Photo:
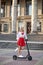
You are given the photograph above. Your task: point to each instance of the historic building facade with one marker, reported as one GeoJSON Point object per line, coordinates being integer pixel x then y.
{"type": "Point", "coordinates": [15, 14]}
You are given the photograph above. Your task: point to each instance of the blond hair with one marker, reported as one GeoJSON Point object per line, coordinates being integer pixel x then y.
{"type": "Point", "coordinates": [22, 29]}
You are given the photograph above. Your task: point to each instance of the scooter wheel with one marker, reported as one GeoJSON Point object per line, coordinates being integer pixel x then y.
{"type": "Point", "coordinates": [14, 57]}
{"type": "Point", "coordinates": [30, 58]}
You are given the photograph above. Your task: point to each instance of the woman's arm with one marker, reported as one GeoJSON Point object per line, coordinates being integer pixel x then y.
{"type": "Point", "coordinates": [25, 35]}
{"type": "Point", "coordinates": [18, 35]}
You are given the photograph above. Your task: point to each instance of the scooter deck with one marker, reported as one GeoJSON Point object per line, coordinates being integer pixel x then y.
{"type": "Point", "coordinates": [21, 57]}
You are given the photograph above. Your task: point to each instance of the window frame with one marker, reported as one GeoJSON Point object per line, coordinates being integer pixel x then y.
{"type": "Point", "coordinates": [39, 27]}
{"type": "Point", "coordinates": [7, 28]}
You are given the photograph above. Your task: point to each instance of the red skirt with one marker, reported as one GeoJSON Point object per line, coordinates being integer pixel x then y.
{"type": "Point", "coordinates": [21, 42]}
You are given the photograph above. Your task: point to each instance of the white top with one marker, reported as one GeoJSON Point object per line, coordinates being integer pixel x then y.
{"type": "Point", "coordinates": [19, 34]}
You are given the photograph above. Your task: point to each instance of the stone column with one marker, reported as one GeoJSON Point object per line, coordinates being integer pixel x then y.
{"type": "Point", "coordinates": [0, 8]}
{"type": "Point", "coordinates": [14, 15]}
{"type": "Point", "coordinates": [34, 16]}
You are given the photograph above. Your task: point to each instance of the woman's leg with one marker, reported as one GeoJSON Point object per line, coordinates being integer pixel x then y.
{"type": "Point", "coordinates": [22, 47]}
{"type": "Point", "coordinates": [19, 50]}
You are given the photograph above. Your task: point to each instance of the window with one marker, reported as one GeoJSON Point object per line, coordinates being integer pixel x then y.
{"type": "Point", "coordinates": [18, 9]}
{"type": "Point", "coordinates": [3, 10]}
{"type": "Point", "coordinates": [5, 28]}
{"type": "Point", "coordinates": [11, 10]}
{"type": "Point", "coordinates": [28, 27]}
{"type": "Point", "coordinates": [39, 26]}
{"type": "Point", "coordinates": [28, 8]}
{"type": "Point", "coordinates": [20, 24]}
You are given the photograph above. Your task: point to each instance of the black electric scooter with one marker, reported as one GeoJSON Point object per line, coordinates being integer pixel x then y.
{"type": "Point", "coordinates": [28, 56]}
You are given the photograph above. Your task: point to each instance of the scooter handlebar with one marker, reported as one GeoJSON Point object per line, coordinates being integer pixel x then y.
{"type": "Point", "coordinates": [26, 39]}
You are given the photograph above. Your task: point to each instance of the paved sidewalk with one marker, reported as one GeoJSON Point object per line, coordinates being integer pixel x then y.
{"type": "Point", "coordinates": [40, 62]}
{"type": "Point", "coordinates": [7, 54]}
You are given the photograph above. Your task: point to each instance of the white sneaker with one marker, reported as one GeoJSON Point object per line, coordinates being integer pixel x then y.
{"type": "Point", "coordinates": [16, 49]}
{"type": "Point", "coordinates": [20, 56]}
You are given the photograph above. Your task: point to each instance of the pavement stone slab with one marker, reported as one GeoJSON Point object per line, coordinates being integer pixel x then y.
{"type": "Point", "coordinates": [6, 57]}
{"type": "Point", "coordinates": [18, 62]}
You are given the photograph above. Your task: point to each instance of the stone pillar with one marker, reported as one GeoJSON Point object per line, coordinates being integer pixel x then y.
{"type": "Point", "coordinates": [14, 15]}
{"type": "Point", "coordinates": [34, 16]}
{"type": "Point", "coordinates": [0, 8]}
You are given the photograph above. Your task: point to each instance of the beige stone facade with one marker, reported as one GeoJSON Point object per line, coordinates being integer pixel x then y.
{"type": "Point", "coordinates": [15, 14]}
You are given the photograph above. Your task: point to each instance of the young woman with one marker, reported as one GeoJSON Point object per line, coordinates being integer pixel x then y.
{"type": "Point", "coordinates": [21, 36]}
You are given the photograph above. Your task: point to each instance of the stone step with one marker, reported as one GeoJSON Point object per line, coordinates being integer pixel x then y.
{"type": "Point", "coordinates": [7, 37]}
{"type": "Point", "coordinates": [14, 45]}
{"type": "Point", "coordinates": [31, 37]}
{"type": "Point", "coordinates": [35, 37]}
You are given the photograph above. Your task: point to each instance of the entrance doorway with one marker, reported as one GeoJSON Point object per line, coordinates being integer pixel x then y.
{"type": "Point", "coordinates": [28, 27]}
